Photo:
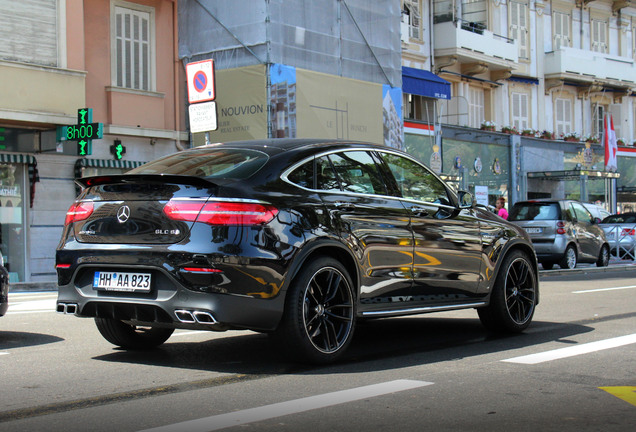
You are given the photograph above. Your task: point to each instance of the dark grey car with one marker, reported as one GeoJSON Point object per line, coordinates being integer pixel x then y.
{"type": "Point", "coordinates": [562, 231]}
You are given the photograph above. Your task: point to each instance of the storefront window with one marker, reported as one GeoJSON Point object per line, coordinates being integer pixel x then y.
{"type": "Point", "coordinates": [12, 219]}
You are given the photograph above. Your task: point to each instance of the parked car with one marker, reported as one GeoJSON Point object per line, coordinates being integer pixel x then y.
{"type": "Point", "coordinates": [4, 287]}
{"type": "Point", "coordinates": [562, 231]}
{"type": "Point", "coordinates": [296, 238]}
{"type": "Point", "coordinates": [620, 230]}
{"type": "Point", "coordinates": [596, 211]}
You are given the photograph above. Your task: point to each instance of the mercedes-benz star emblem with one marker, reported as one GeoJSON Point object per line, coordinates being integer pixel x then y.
{"type": "Point", "coordinates": [123, 214]}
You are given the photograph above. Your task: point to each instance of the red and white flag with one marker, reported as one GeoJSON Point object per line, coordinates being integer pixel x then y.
{"type": "Point", "coordinates": [609, 140]}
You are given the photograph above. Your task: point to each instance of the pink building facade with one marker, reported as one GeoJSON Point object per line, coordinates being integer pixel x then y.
{"type": "Point", "coordinates": [118, 58]}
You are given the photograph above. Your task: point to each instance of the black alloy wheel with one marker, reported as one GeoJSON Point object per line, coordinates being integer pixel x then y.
{"type": "Point", "coordinates": [514, 296]}
{"type": "Point", "coordinates": [319, 317]}
{"type": "Point", "coordinates": [603, 257]}
{"type": "Point", "coordinates": [132, 337]}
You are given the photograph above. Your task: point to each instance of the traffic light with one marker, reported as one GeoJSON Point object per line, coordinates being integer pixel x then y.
{"type": "Point", "coordinates": [118, 150]}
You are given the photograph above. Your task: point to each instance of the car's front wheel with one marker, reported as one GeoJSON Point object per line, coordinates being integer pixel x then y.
{"type": "Point", "coordinates": [603, 257]}
{"type": "Point", "coordinates": [514, 296]}
{"type": "Point", "coordinates": [132, 337]}
{"type": "Point", "coordinates": [319, 318]}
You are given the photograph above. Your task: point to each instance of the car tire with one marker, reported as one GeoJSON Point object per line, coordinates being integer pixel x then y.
{"type": "Point", "coordinates": [569, 259]}
{"type": "Point", "coordinates": [320, 310]}
{"type": "Point", "coordinates": [603, 257]}
{"type": "Point", "coordinates": [547, 265]}
{"type": "Point", "coordinates": [132, 337]}
{"type": "Point", "coordinates": [513, 297]}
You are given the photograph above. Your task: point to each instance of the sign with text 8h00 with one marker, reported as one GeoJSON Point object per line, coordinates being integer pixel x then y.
{"type": "Point", "coordinates": [203, 117]}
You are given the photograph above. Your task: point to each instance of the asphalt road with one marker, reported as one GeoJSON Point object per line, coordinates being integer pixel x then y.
{"type": "Point", "coordinates": [574, 369]}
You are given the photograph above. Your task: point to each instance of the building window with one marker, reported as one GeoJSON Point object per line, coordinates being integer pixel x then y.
{"type": "Point", "coordinates": [560, 30]}
{"type": "Point", "coordinates": [520, 118]}
{"type": "Point", "coordinates": [132, 36]}
{"type": "Point", "coordinates": [598, 114]}
{"type": "Point", "coordinates": [519, 27]}
{"type": "Point", "coordinates": [413, 17]}
{"type": "Point", "coordinates": [599, 36]}
{"type": "Point", "coordinates": [416, 107]}
{"type": "Point", "coordinates": [476, 12]}
{"type": "Point", "coordinates": [562, 116]}
{"type": "Point", "coordinates": [476, 107]}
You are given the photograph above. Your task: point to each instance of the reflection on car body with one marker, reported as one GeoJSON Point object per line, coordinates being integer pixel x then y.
{"type": "Point", "coordinates": [313, 237]}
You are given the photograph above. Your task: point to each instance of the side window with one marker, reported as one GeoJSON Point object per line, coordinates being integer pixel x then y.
{"type": "Point", "coordinates": [325, 177]}
{"type": "Point", "coordinates": [416, 182]}
{"type": "Point", "coordinates": [303, 175]}
{"type": "Point", "coordinates": [581, 213]}
{"type": "Point", "coordinates": [358, 173]}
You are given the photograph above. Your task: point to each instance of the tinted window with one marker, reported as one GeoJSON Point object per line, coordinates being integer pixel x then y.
{"type": "Point", "coordinates": [534, 211]}
{"type": "Point", "coordinates": [620, 218]}
{"type": "Point", "coordinates": [304, 175]}
{"type": "Point", "coordinates": [414, 181]}
{"type": "Point", "coordinates": [325, 176]}
{"type": "Point", "coordinates": [214, 163]}
{"type": "Point", "coordinates": [358, 172]}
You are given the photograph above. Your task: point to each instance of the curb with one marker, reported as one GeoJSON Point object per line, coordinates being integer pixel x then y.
{"type": "Point", "coordinates": [584, 270]}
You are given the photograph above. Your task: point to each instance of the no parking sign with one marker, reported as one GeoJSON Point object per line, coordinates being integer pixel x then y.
{"type": "Point", "coordinates": [200, 77]}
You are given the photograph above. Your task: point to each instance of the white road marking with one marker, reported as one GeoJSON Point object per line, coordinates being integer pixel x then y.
{"type": "Point", "coordinates": [604, 289]}
{"type": "Point", "coordinates": [574, 350]}
{"type": "Point", "coordinates": [31, 306]}
{"type": "Point", "coordinates": [187, 333]}
{"type": "Point", "coordinates": [4, 353]}
{"type": "Point", "coordinates": [266, 412]}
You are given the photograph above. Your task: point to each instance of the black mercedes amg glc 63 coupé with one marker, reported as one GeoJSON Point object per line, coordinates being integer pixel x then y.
{"type": "Point", "coordinates": [296, 238]}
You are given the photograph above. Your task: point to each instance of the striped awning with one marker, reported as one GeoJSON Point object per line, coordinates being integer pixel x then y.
{"type": "Point", "coordinates": [17, 158]}
{"type": "Point", "coordinates": [108, 163]}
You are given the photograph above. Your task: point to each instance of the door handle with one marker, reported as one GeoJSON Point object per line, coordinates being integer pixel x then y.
{"type": "Point", "coordinates": [419, 211]}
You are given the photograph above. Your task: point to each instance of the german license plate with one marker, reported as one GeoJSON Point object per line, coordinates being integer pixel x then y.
{"type": "Point", "coordinates": [534, 230]}
{"type": "Point", "coordinates": [122, 281]}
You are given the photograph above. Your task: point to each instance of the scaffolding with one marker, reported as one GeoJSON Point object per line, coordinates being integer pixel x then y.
{"type": "Point", "coordinates": [349, 38]}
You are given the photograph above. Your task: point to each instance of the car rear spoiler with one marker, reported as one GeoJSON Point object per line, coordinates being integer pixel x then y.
{"type": "Point", "coordinates": [85, 182]}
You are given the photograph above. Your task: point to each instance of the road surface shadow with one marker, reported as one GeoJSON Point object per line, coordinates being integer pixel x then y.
{"type": "Point", "coordinates": [10, 339]}
{"type": "Point", "coordinates": [377, 345]}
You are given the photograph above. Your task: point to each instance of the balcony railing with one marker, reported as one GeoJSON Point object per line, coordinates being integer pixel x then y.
{"type": "Point", "coordinates": [461, 37]}
{"type": "Point", "coordinates": [589, 65]}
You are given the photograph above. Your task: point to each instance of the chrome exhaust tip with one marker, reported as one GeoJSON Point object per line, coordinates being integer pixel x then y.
{"type": "Point", "coordinates": [204, 317]}
{"type": "Point", "coordinates": [185, 316]}
{"type": "Point", "coordinates": [67, 308]}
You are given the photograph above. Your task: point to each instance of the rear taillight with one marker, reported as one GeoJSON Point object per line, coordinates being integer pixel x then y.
{"type": "Point", "coordinates": [628, 232]}
{"type": "Point", "coordinates": [78, 211]}
{"type": "Point", "coordinates": [220, 212]}
{"type": "Point", "coordinates": [560, 227]}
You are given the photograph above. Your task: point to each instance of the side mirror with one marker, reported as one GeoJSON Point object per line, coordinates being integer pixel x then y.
{"type": "Point", "coordinates": [466, 200]}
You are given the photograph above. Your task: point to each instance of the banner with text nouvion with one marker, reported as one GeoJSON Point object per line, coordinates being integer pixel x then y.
{"type": "Point", "coordinates": [241, 100]}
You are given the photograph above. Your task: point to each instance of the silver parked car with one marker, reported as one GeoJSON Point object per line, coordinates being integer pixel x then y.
{"type": "Point", "coordinates": [620, 230]}
{"type": "Point", "coordinates": [562, 231]}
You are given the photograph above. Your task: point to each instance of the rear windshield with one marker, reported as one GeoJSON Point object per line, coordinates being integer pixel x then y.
{"type": "Point", "coordinates": [534, 211]}
{"type": "Point", "coordinates": [618, 219]}
{"type": "Point", "coordinates": [210, 163]}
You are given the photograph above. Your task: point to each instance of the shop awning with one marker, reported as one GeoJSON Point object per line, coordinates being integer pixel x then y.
{"type": "Point", "coordinates": [107, 163]}
{"type": "Point", "coordinates": [17, 158]}
{"type": "Point", "coordinates": [524, 80]}
{"type": "Point", "coordinates": [573, 175]}
{"type": "Point", "coordinates": [424, 83]}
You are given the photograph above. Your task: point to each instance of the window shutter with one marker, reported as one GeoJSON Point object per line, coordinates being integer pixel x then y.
{"type": "Point", "coordinates": [132, 39]}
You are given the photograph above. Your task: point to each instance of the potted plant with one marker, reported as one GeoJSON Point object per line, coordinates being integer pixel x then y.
{"type": "Point", "coordinates": [592, 139]}
{"type": "Point", "coordinates": [488, 126]}
{"type": "Point", "coordinates": [510, 130]}
{"type": "Point", "coordinates": [528, 133]}
{"type": "Point", "coordinates": [621, 142]}
{"type": "Point", "coordinates": [571, 137]}
{"type": "Point", "coordinates": [547, 135]}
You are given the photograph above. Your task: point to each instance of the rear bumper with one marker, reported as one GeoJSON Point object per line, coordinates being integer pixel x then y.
{"type": "Point", "coordinates": [171, 303]}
